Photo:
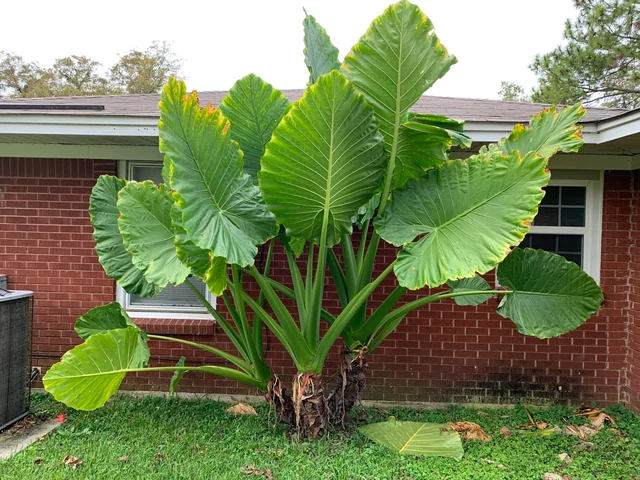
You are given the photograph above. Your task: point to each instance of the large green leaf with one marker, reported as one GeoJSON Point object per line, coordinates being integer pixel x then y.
{"type": "Point", "coordinates": [416, 438]}
{"type": "Point", "coordinates": [89, 374]}
{"type": "Point", "coordinates": [324, 161]}
{"type": "Point", "coordinates": [395, 62]}
{"type": "Point", "coordinates": [420, 148]}
{"type": "Point", "coordinates": [454, 128]}
{"type": "Point", "coordinates": [101, 319]}
{"type": "Point", "coordinates": [115, 260]}
{"type": "Point", "coordinates": [466, 286]}
{"type": "Point", "coordinates": [548, 132]}
{"type": "Point", "coordinates": [473, 211]}
{"type": "Point", "coordinates": [145, 225]}
{"type": "Point", "coordinates": [551, 296]}
{"type": "Point", "coordinates": [111, 317]}
{"type": "Point", "coordinates": [212, 270]}
{"type": "Point", "coordinates": [320, 55]}
{"type": "Point", "coordinates": [254, 109]}
{"type": "Point", "coordinates": [222, 210]}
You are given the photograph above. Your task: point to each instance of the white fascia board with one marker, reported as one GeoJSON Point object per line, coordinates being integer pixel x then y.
{"type": "Point", "coordinates": [619, 127]}
{"type": "Point", "coordinates": [100, 125]}
{"type": "Point", "coordinates": [97, 125]}
{"type": "Point", "coordinates": [489, 132]}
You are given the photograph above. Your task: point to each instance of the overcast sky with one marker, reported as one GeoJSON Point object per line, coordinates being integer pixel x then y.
{"type": "Point", "coordinates": [221, 41]}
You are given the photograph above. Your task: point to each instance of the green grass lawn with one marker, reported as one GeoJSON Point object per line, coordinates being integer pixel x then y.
{"type": "Point", "coordinates": [176, 439]}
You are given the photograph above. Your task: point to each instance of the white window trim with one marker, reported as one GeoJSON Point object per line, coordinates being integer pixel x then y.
{"type": "Point", "coordinates": [592, 230]}
{"type": "Point", "coordinates": [125, 169]}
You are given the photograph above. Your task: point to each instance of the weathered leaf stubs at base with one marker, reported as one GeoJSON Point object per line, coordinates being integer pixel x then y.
{"type": "Point", "coordinates": [259, 186]}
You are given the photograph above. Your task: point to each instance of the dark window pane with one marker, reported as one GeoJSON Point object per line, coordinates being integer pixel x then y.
{"type": "Point", "coordinates": [569, 246]}
{"type": "Point", "coordinates": [552, 197]}
{"type": "Point", "coordinates": [572, 217]}
{"type": "Point", "coordinates": [573, 257]}
{"type": "Point", "coordinates": [570, 243]}
{"type": "Point", "coordinates": [544, 241]}
{"type": "Point", "coordinates": [547, 216]}
{"type": "Point", "coordinates": [574, 196]}
{"type": "Point", "coordinates": [141, 173]}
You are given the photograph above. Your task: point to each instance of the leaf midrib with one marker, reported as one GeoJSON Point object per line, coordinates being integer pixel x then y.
{"type": "Point", "coordinates": [412, 437]}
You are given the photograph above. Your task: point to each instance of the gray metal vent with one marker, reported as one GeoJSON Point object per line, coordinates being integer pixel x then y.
{"type": "Point", "coordinates": [15, 355]}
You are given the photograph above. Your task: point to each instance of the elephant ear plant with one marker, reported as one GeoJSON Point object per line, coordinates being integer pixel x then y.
{"type": "Point", "coordinates": [258, 170]}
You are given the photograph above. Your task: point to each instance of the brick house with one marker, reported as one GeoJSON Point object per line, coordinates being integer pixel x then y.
{"type": "Point", "coordinates": [52, 150]}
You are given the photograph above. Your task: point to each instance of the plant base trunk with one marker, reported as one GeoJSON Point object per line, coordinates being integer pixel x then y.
{"type": "Point", "coordinates": [350, 382]}
{"type": "Point", "coordinates": [305, 409]}
{"type": "Point", "coordinates": [311, 408]}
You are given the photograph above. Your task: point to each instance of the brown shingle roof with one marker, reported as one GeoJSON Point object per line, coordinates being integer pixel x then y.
{"type": "Point", "coordinates": [460, 108]}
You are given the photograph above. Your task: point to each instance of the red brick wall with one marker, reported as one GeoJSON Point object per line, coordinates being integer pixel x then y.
{"type": "Point", "coordinates": [442, 353]}
{"type": "Point", "coordinates": [633, 370]}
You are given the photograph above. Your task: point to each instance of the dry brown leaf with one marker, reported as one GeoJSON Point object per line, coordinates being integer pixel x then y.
{"type": "Point", "coordinates": [541, 425]}
{"type": "Point", "coordinates": [123, 459]}
{"type": "Point", "coordinates": [598, 420]}
{"type": "Point", "coordinates": [582, 431]}
{"type": "Point", "coordinates": [587, 411]}
{"type": "Point", "coordinates": [250, 470]}
{"type": "Point", "coordinates": [565, 458]}
{"type": "Point", "coordinates": [470, 431]}
{"type": "Point", "coordinates": [555, 476]}
{"type": "Point", "coordinates": [242, 409]}
{"type": "Point", "coordinates": [72, 462]}
{"type": "Point", "coordinates": [505, 432]}
{"type": "Point", "coordinates": [37, 461]}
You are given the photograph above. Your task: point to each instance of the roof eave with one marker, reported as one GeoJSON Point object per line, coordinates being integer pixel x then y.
{"type": "Point", "coordinates": [147, 126]}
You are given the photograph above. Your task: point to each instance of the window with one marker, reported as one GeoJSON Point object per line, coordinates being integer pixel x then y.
{"type": "Point", "coordinates": [172, 302]}
{"type": "Point", "coordinates": [569, 220]}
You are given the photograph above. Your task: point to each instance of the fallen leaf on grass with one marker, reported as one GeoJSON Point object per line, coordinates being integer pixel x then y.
{"type": "Point", "coordinates": [72, 462]}
{"type": "Point", "coordinates": [505, 432]}
{"type": "Point", "coordinates": [587, 411]}
{"type": "Point", "coordinates": [250, 470]}
{"type": "Point", "coordinates": [123, 459]}
{"type": "Point", "coordinates": [565, 458]}
{"type": "Point", "coordinates": [37, 461]}
{"type": "Point", "coordinates": [582, 431]}
{"type": "Point", "coordinates": [480, 412]}
{"type": "Point", "coordinates": [470, 431]}
{"type": "Point", "coordinates": [598, 420]}
{"type": "Point", "coordinates": [555, 476]}
{"type": "Point", "coordinates": [242, 409]}
{"type": "Point", "coordinates": [498, 465]}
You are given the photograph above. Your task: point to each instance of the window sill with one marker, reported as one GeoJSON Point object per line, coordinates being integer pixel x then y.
{"type": "Point", "coordinates": [162, 314]}
{"type": "Point", "coordinates": [176, 326]}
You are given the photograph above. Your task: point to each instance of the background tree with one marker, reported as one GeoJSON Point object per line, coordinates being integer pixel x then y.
{"type": "Point", "coordinates": [135, 72]}
{"type": "Point", "coordinates": [140, 72]}
{"type": "Point", "coordinates": [19, 78]}
{"type": "Point", "coordinates": [600, 63]}
{"type": "Point", "coordinates": [512, 92]}
{"type": "Point", "coordinates": [78, 75]}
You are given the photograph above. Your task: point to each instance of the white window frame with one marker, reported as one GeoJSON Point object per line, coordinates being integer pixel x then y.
{"type": "Point", "coordinates": [125, 170]}
{"type": "Point", "coordinates": [592, 230]}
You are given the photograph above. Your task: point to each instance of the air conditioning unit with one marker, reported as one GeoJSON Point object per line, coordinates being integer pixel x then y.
{"type": "Point", "coordinates": [15, 355]}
